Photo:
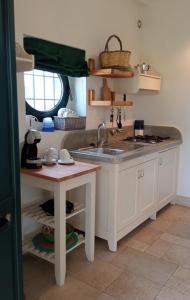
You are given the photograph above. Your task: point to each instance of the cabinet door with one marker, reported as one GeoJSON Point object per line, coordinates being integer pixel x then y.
{"type": "Point", "coordinates": [147, 186]}
{"type": "Point", "coordinates": [167, 176]}
{"type": "Point", "coordinates": [127, 197]}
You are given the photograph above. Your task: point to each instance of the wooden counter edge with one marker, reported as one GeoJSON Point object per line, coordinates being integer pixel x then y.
{"type": "Point", "coordinates": [24, 171]}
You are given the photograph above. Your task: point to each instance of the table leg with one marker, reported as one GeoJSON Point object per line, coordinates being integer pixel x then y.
{"type": "Point", "coordinates": [90, 218]}
{"type": "Point", "coordinates": [60, 229]}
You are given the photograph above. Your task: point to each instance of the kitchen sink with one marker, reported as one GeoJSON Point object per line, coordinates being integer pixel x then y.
{"type": "Point", "coordinates": [107, 151]}
{"type": "Point", "coordinates": [112, 149]}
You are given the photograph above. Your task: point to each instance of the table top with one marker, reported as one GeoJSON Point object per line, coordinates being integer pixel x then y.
{"type": "Point", "coordinates": [59, 173]}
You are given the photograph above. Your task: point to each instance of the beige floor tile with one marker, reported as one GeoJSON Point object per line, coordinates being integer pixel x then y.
{"type": "Point", "coordinates": [72, 289]}
{"type": "Point", "coordinates": [105, 297]}
{"type": "Point", "coordinates": [180, 281]}
{"type": "Point", "coordinates": [160, 224]}
{"type": "Point", "coordinates": [138, 245]}
{"type": "Point", "coordinates": [159, 248]}
{"type": "Point", "coordinates": [146, 235]}
{"type": "Point", "coordinates": [98, 274]}
{"type": "Point", "coordinates": [76, 260]}
{"type": "Point", "coordinates": [175, 240]}
{"type": "Point", "coordinates": [102, 251]}
{"type": "Point", "coordinates": [180, 229]}
{"type": "Point", "coordinates": [131, 287]}
{"type": "Point", "coordinates": [186, 217]}
{"type": "Point", "coordinates": [172, 213]}
{"type": "Point", "coordinates": [178, 255]}
{"type": "Point", "coordinates": [38, 276]}
{"type": "Point", "coordinates": [170, 294]}
{"type": "Point", "coordinates": [140, 263]}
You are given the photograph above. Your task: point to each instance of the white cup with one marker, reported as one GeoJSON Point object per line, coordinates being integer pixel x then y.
{"type": "Point", "coordinates": [65, 155]}
{"type": "Point", "coordinates": [50, 154]}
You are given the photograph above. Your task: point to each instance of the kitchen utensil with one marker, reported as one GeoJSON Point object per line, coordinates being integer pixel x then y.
{"type": "Point", "coordinates": [91, 65]}
{"type": "Point", "coordinates": [114, 59]}
{"type": "Point", "coordinates": [31, 122]}
{"type": "Point", "coordinates": [105, 91]}
{"type": "Point", "coordinates": [66, 162]}
{"type": "Point", "coordinates": [53, 161]}
{"type": "Point", "coordinates": [29, 155]}
{"type": "Point", "coordinates": [144, 68]}
{"type": "Point", "coordinates": [91, 95]}
{"type": "Point", "coordinates": [65, 155]}
{"type": "Point", "coordinates": [118, 120]}
{"type": "Point", "coordinates": [51, 155]}
{"type": "Point", "coordinates": [112, 116]}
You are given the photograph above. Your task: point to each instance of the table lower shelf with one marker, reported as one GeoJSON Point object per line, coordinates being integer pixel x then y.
{"type": "Point", "coordinates": [35, 212]}
{"type": "Point", "coordinates": [28, 247]}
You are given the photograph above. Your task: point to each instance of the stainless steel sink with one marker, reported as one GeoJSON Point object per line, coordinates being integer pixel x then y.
{"type": "Point", "coordinates": [111, 149]}
{"type": "Point", "coordinates": [107, 151]}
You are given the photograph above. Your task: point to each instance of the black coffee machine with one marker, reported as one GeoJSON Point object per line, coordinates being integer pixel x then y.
{"type": "Point", "coordinates": [29, 156]}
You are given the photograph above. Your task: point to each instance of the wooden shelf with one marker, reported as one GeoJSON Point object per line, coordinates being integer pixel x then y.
{"type": "Point", "coordinates": [122, 103]}
{"type": "Point", "coordinates": [112, 73]}
{"type": "Point", "coordinates": [100, 103]}
{"type": "Point", "coordinates": [50, 257]}
{"type": "Point", "coordinates": [35, 212]}
{"type": "Point", "coordinates": [108, 103]}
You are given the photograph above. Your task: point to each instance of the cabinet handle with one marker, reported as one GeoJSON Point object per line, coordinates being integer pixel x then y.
{"type": "Point", "coordinates": [142, 173]}
{"type": "Point", "coordinates": [161, 161]}
{"type": "Point", "coordinates": [139, 174]}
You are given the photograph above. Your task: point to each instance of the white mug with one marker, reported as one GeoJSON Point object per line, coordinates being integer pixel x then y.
{"type": "Point", "coordinates": [31, 122]}
{"type": "Point", "coordinates": [50, 154]}
{"type": "Point", "coordinates": [64, 155]}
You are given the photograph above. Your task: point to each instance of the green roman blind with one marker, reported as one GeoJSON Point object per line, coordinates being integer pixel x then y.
{"type": "Point", "coordinates": [53, 57]}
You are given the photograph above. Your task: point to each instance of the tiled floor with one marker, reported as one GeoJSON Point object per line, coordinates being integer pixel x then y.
{"type": "Point", "coordinates": [152, 263]}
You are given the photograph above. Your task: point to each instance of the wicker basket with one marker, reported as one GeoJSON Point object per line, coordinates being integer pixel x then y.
{"type": "Point", "coordinates": [114, 59]}
{"type": "Point", "coordinates": [69, 123]}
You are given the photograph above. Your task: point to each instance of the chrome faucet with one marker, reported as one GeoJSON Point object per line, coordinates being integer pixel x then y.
{"type": "Point", "coordinates": [100, 141]}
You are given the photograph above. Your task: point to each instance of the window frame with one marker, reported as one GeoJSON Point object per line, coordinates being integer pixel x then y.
{"type": "Point", "coordinates": [53, 112]}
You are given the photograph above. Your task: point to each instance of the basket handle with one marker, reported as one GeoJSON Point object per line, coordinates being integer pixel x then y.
{"type": "Point", "coordinates": [108, 40]}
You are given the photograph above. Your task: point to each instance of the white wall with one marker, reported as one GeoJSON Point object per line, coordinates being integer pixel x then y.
{"type": "Point", "coordinates": [166, 46]}
{"type": "Point", "coordinates": [85, 24]}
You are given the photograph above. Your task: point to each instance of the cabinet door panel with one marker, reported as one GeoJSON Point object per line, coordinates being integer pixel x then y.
{"type": "Point", "coordinates": [167, 175]}
{"type": "Point", "coordinates": [127, 197]}
{"type": "Point", "coordinates": [147, 190]}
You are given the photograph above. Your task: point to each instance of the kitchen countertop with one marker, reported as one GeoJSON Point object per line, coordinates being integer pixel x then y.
{"type": "Point", "coordinates": [128, 155]}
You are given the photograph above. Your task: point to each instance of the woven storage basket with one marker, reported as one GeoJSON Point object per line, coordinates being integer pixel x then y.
{"type": "Point", "coordinates": [114, 59]}
{"type": "Point", "coordinates": [69, 123]}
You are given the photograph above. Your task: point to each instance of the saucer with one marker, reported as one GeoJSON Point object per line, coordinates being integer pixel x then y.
{"type": "Point", "coordinates": [51, 162]}
{"type": "Point", "coordinates": [68, 162]}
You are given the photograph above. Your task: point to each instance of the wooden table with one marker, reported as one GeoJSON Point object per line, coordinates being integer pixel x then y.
{"type": "Point", "coordinates": [59, 179]}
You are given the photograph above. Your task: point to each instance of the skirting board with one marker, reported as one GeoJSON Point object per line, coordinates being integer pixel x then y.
{"type": "Point", "coordinates": [182, 200]}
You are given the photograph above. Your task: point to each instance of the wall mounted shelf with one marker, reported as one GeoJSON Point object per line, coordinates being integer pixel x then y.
{"type": "Point", "coordinates": [140, 83]}
{"type": "Point", "coordinates": [106, 103]}
{"type": "Point", "coordinates": [112, 73]}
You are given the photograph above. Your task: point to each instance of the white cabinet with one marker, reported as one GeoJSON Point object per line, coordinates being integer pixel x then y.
{"type": "Point", "coordinates": [127, 197]}
{"type": "Point", "coordinates": [136, 194]}
{"type": "Point", "coordinates": [140, 83]}
{"type": "Point", "coordinates": [167, 172]}
{"type": "Point", "coordinates": [129, 193]}
{"type": "Point", "coordinates": [147, 190]}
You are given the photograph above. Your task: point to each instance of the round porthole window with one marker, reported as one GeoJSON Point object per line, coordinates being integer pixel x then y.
{"type": "Point", "coordinates": [45, 93]}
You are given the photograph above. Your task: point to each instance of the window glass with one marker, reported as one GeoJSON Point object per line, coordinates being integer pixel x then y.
{"type": "Point", "coordinates": [43, 90]}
